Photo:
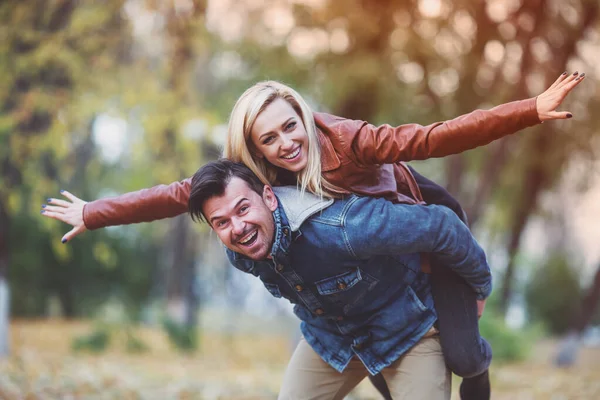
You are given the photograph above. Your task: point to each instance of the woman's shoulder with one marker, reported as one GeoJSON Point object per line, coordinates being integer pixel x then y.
{"type": "Point", "coordinates": [337, 129]}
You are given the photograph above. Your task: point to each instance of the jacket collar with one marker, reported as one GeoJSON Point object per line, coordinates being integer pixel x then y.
{"type": "Point", "coordinates": [292, 210]}
{"type": "Point", "coordinates": [298, 207]}
{"type": "Point", "coordinates": [329, 158]}
{"type": "Point", "coordinates": [282, 237]}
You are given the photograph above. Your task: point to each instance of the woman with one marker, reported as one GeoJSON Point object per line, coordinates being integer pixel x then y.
{"type": "Point", "coordinates": [274, 132]}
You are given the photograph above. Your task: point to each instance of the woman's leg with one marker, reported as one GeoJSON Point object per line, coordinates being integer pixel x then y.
{"type": "Point", "coordinates": [465, 351]}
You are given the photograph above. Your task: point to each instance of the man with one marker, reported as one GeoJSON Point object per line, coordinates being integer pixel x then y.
{"type": "Point", "coordinates": [352, 269]}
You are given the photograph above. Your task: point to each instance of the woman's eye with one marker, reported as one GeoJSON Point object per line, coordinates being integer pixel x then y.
{"type": "Point", "coordinates": [244, 208]}
{"type": "Point", "coordinates": [268, 140]}
{"type": "Point", "coordinates": [290, 125]}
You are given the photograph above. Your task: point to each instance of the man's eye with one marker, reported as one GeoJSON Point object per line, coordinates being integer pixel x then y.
{"type": "Point", "coordinates": [221, 223]}
{"type": "Point", "coordinates": [244, 208]}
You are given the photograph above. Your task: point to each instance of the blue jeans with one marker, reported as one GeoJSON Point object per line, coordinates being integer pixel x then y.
{"type": "Point", "coordinates": [466, 353]}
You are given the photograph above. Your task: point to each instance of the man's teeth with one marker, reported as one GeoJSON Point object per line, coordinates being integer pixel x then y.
{"type": "Point", "coordinates": [249, 238]}
{"type": "Point", "coordinates": [294, 154]}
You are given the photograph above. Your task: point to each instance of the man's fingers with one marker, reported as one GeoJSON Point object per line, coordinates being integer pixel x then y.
{"type": "Point", "coordinates": [70, 196]}
{"type": "Point", "coordinates": [59, 202]}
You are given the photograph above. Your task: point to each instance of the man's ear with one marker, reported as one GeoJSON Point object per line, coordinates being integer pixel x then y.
{"type": "Point", "coordinates": [269, 198]}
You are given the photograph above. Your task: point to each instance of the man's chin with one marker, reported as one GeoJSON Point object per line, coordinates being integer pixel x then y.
{"type": "Point", "coordinates": [255, 255]}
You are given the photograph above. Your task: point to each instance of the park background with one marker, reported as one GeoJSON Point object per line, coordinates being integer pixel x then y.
{"type": "Point", "coordinates": [101, 98]}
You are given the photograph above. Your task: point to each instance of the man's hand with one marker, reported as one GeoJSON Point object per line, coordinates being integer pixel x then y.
{"type": "Point", "coordinates": [548, 102]}
{"type": "Point", "coordinates": [480, 308]}
{"type": "Point", "coordinates": [68, 212]}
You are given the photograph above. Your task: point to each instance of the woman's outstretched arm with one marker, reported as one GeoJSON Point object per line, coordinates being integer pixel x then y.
{"type": "Point", "coordinates": [158, 202]}
{"type": "Point", "coordinates": [385, 144]}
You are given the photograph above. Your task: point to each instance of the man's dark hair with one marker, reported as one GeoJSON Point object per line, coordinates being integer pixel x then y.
{"type": "Point", "coordinates": [212, 179]}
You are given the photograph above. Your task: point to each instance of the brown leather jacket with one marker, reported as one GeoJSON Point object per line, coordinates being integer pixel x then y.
{"type": "Point", "coordinates": [356, 156]}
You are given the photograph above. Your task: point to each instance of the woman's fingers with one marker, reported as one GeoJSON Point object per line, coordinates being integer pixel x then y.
{"type": "Point", "coordinates": [59, 202]}
{"type": "Point", "coordinates": [558, 80]}
{"type": "Point", "coordinates": [69, 212]}
{"type": "Point", "coordinates": [55, 215]}
{"type": "Point", "coordinates": [72, 233]}
{"type": "Point", "coordinates": [70, 196]}
{"type": "Point", "coordinates": [574, 82]}
{"type": "Point", "coordinates": [559, 115]}
{"type": "Point", "coordinates": [54, 209]}
{"type": "Point", "coordinates": [551, 99]}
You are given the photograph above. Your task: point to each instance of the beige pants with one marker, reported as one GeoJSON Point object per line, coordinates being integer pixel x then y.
{"type": "Point", "coordinates": [419, 374]}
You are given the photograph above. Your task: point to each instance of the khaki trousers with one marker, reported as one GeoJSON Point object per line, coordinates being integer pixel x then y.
{"type": "Point", "coordinates": [420, 373]}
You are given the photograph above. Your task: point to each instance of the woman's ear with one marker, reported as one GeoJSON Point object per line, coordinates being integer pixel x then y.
{"type": "Point", "coordinates": [269, 198]}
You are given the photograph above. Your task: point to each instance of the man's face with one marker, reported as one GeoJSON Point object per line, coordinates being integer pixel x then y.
{"type": "Point", "coordinates": [243, 219]}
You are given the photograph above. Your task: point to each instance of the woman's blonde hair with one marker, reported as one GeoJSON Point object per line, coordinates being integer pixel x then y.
{"type": "Point", "coordinates": [244, 114]}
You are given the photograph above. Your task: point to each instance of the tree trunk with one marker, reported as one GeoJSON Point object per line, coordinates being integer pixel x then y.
{"type": "Point", "coordinates": [534, 183]}
{"type": "Point", "coordinates": [588, 305]}
{"type": "Point", "coordinates": [4, 290]}
{"type": "Point", "coordinates": [568, 349]}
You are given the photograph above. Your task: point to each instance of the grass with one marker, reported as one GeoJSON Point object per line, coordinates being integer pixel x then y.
{"type": "Point", "coordinates": [239, 366]}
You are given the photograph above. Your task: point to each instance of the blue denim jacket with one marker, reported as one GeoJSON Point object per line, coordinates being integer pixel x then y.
{"type": "Point", "coordinates": [352, 270]}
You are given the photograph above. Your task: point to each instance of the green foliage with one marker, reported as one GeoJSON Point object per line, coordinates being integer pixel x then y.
{"type": "Point", "coordinates": [135, 345]}
{"type": "Point", "coordinates": [509, 345]}
{"type": "Point", "coordinates": [181, 336]}
{"type": "Point", "coordinates": [105, 334]}
{"type": "Point", "coordinates": [554, 294]}
{"type": "Point", "coordinates": [94, 342]}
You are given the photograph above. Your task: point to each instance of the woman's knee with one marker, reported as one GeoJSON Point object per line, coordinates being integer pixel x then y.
{"type": "Point", "coordinates": [469, 362]}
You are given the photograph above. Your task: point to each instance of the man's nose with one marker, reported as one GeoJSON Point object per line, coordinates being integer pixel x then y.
{"type": "Point", "coordinates": [238, 226]}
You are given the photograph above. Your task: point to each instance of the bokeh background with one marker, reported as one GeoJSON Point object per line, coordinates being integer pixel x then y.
{"type": "Point", "coordinates": [102, 98]}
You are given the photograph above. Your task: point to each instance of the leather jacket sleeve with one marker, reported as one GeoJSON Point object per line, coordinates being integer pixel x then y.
{"type": "Point", "coordinates": [158, 202]}
{"type": "Point", "coordinates": [385, 144]}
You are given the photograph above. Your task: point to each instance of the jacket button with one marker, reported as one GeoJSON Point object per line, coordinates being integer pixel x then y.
{"type": "Point", "coordinates": [285, 231]}
{"type": "Point", "coordinates": [319, 311]}
{"type": "Point", "coordinates": [279, 267]}
{"type": "Point", "coordinates": [341, 286]}
{"type": "Point", "coordinates": [299, 288]}
{"type": "Point", "coordinates": [358, 346]}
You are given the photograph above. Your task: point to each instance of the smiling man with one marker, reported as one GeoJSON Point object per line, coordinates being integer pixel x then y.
{"type": "Point", "coordinates": [352, 269]}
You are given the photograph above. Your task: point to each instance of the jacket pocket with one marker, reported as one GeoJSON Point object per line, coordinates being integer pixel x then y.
{"type": "Point", "coordinates": [273, 289]}
{"type": "Point", "coordinates": [415, 301]}
{"type": "Point", "coordinates": [347, 289]}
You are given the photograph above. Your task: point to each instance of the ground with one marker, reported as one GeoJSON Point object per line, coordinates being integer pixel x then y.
{"type": "Point", "coordinates": [43, 366]}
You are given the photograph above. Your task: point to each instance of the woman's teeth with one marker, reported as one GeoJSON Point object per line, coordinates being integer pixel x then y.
{"type": "Point", "coordinates": [293, 155]}
{"type": "Point", "coordinates": [249, 238]}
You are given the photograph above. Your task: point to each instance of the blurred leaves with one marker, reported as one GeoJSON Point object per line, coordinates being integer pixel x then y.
{"type": "Point", "coordinates": [168, 73]}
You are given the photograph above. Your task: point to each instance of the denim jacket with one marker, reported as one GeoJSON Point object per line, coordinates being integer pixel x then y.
{"type": "Point", "coordinates": [352, 270]}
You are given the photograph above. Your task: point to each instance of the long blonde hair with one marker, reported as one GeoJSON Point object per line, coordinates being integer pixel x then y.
{"type": "Point", "coordinates": [244, 114]}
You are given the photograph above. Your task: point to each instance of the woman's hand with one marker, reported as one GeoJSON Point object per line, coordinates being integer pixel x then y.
{"type": "Point", "coordinates": [548, 101]}
{"type": "Point", "coordinates": [480, 308]}
{"type": "Point", "coordinates": [68, 212]}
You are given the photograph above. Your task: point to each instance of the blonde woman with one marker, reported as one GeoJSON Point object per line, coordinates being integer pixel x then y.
{"type": "Point", "coordinates": [274, 132]}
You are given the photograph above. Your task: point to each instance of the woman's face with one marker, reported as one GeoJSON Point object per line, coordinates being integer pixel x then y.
{"type": "Point", "coordinates": [279, 136]}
